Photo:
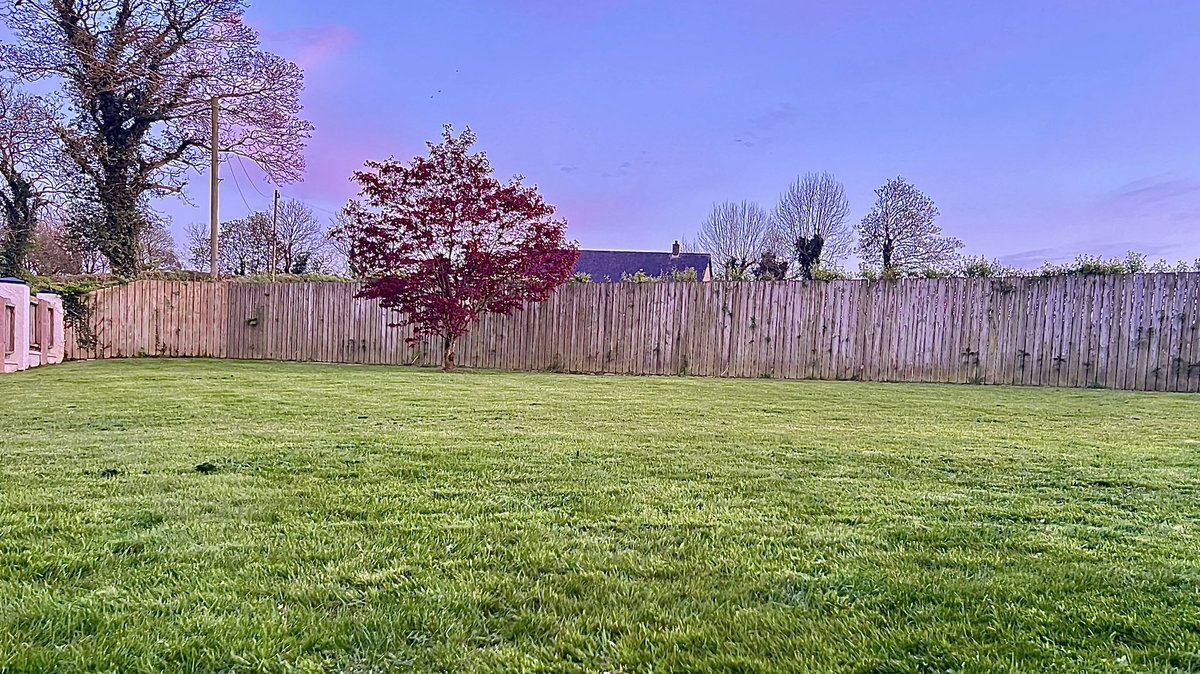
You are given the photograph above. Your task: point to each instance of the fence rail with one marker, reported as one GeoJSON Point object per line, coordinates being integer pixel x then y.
{"type": "Point", "coordinates": [1122, 332]}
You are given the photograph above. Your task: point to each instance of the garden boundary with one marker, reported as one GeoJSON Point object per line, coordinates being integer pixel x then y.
{"type": "Point", "coordinates": [1137, 332]}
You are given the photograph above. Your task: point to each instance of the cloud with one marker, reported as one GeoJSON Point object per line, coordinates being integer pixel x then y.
{"type": "Point", "coordinates": [1164, 209]}
{"type": "Point", "coordinates": [766, 128]}
{"type": "Point", "coordinates": [328, 43]}
{"type": "Point", "coordinates": [310, 47]}
{"type": "Point", "coordinates": [560, 11]}
{"type": "Point", "coordinates": [791, 20]}
{"type": "Point", "coordinates": [1155, 192]}
{"type": "Point", "coordinates": [1032, 259]}
{"type": "Point", "coordinates": [623, 169]}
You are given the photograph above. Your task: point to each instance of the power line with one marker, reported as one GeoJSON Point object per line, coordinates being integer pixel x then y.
{"type": "Point", "coordinates": [248, 178]}
{"type": "Point", "coordinates": [310, 205]}
{"type": "Point", "coordinates": [239, 189]}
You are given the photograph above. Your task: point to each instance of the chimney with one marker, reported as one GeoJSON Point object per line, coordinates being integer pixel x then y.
{"type": "Point", "coordinates": [675, 249]}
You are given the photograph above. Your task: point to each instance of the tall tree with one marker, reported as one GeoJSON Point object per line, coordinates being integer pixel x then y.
{"type": "Point", "coordinates": [443, 242]}
{"type": "Point", "coordinates": [900, 233]}
{"type": "Point", "coordinates": [243, 246]}
{"type": "Point", "coordinates": [48, 254]}
{"type": "Point", "coordinates": [28, 170]}
{"type": "Point", "coordinates": [303, 240]}
{"type": "Point", "coordinates": [80, 250]}
{"type": "Point", "coordinates": [340, 239]}
{"type": "Point", "coordinates": [815, 206]}
{"type": "Point", "coordinates": [298, 243]}
{"type": "Point", "coordinates": [735, 234]}
{"type": "Point", "coordinates": [137, 77]}
{"type": "Point", "coordinates": [156, 247]}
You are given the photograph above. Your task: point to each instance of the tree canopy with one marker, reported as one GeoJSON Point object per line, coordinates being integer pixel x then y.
{"type": "Point", "coordinates": [442, 242]}
{"type": "Point", "coordinates": [900, 234]}
{"type": "Point", "coordinates": [136, 79]}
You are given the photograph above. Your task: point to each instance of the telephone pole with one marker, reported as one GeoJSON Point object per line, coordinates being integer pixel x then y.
{"type": "Point", "coordinates": [213, 189]}
{"type": "Point", "coordinates": [275, 236]}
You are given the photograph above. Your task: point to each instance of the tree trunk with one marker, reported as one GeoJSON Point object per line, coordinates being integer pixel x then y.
{"type": "Point", "coordinates": [118, 242]}
{"type": "Point", "coordinates": [15, 246]}
{"type": "Point", "coordinates": [19, 208]}
{"type": "Point", "coordinates": [451, 343]}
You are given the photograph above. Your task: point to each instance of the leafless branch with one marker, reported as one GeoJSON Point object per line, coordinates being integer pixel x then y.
{"type": "Point", "coordinates": [900, 232]}
{"type": "Point", "coordinates": [734, 234]}
{"type": "Point", "coordinates": [814, 205]}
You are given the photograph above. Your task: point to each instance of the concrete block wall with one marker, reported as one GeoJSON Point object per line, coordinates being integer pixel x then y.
{"type": "Point", "coordinates": [24, 314]}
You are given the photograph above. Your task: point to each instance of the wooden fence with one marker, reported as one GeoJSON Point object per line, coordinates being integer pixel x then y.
{"type": "Point", "coordinates": [1123, 332]}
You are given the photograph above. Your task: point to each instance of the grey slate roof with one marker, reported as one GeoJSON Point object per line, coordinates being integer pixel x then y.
{"type": "Point", "coordinates": [608, 265]}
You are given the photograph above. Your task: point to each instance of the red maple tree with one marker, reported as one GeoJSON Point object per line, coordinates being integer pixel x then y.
{"type": "Point", "coordinates": [442, 242]}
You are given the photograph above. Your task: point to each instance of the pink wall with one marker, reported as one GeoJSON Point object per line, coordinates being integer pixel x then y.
{"type": "Point", "coordinates": [14, 335]}
{"type": "Point", "coordinates": [48, 313]}
{"type": "Point", "coordinates": [50, 308]}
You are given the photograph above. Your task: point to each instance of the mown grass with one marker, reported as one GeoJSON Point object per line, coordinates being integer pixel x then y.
{"type": "Point", "coordinates": [356, 519]}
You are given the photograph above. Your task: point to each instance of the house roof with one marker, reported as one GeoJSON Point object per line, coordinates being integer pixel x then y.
{"type": "Point", "coordinates": [609, 265]}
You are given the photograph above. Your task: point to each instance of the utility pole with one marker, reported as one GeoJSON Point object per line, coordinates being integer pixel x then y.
{"type": "Point", "coordinates": [214, 214]}
{"type": "Point", "coordinates": [275, 236]}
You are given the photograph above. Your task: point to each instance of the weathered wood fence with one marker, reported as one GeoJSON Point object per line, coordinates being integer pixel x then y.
{"type": "Point", "coordinates": [1122, 332]}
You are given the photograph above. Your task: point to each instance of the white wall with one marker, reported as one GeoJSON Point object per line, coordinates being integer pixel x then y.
{"type": "Point", "coordinates": [17, 295]}
{"type": "Point", "coordinates": [53, 348]}
{"type": "Point", "coordinates": [49, 312]}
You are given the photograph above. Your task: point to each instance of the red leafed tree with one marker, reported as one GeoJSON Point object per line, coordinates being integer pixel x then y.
{"type": "Point", "coordinates": [442, 242]}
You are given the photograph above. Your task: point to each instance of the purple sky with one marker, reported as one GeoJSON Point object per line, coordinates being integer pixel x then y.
{"type": "Point", "coordinates": [1041, 129]}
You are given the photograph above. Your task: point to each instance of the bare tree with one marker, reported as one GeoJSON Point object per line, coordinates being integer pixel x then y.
{"type": "Point", "coordinates": [900, 234]}
{"type": "Point", "coordinates": [28, 172]}
{"type": "Point", "coordinates": [299, 243]}
{"type": "Point", "coordinates": [197, 254]}
{"type": "Point", "coordinates": [341, 238]}
{"type": "Point", "coordinates": [302, 240]}
{"type": "Point", "coordinates": [244, 246]}
{"type": "Point", "coordinates": [83, 251]}
{"type": "Point", "coordinates": [138, 77]}
{"type": "Point", "coordinates": [49, 254]}
{"type": "Point", "coordinates": [59, 249]}
{"type": "Point", "coordinates": [814, 208]}
{"type": "Point", "coordinates": [735, 234]}
{"type": "Point", "coordinates": [156, 247]}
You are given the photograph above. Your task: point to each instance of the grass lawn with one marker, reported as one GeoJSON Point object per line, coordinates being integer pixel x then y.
{"type": "Point", "coordinates": [360, 519]}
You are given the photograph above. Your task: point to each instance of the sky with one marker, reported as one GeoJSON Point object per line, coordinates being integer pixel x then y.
{"type": "Point", "coordinates": [1043, 130]}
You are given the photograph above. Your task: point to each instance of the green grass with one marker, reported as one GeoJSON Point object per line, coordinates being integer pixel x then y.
{"type": "Point", "coordinates": [361, 519]}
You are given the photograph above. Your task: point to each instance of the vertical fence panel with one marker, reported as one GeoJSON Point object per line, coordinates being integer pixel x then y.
{"type": "Point", "coordinates": [1191, 348]}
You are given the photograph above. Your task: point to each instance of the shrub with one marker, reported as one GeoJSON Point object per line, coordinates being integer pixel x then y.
{"type": "Point", "coordinates": [770, 267]}
{"type": "Point", "coordinates": [981, 267]}
{"type": "Point", "coordinates": [1094, 265]}
{"type": "Point", "coordinates": [688, 275]}
{"type": "Point", "coordinates": [823, 272]}
{"type": "Point", "coordinates": [639, 277]}
{"type": "Point", "coordinates": [930, 272]}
